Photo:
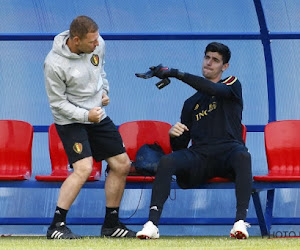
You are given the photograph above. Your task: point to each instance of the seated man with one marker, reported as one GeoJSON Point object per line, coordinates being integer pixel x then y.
{"type": "Point", "coordinates": [211, 118]}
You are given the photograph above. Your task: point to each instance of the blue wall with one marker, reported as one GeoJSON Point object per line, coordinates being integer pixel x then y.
{"type": "Point", "coordinates": [264, 39]}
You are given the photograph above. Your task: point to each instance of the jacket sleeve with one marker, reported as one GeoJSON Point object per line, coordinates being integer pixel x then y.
{"type": "Point", "coordinates": [56, 89]}
{"type": "Point", "coordinates": [229, 88]}
{"type": "Point", "coordinates": [182, 141]}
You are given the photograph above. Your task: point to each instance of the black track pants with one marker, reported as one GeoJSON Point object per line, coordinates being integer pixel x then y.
{"type": "Point", "coordinates": [193, 167]}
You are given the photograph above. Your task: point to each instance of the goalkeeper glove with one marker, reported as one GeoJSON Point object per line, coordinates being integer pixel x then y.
{"type": "Point", "coordinates": [163, 72]}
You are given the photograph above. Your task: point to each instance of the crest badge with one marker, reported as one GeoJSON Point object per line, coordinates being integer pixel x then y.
{"type": "Point", "coordinates": [95, 60]}
{"type": "Point", "coordinates": [77, 147]}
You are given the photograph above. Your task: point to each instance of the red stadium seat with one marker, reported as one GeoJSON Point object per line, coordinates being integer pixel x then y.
{"type": "Point", "coordinates": [282, 144]}
{"type": "Point", "coordinates": [137, 133]}
{"type": "Point", "coordinates": [59, 161]}
{"type": "Point", "coordinates": [15, 150]}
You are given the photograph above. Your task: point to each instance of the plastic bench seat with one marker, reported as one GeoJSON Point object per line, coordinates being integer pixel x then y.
{"type": "Point", "coordinates": [59, 161]}
{"type": "Point", "coordinates": [282, 145]}
{"type": "Point", "coordinates": [15, 150]}
{"type": "Point", "coordinates": [137, 133]}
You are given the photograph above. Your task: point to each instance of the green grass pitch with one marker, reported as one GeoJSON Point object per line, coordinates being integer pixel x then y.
{"type": "Point", "coordinates": [39, 242]}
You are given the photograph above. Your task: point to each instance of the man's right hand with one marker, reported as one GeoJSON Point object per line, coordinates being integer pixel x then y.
{"type": "Point", "coordinates": [96, 114]}
{"type": "Point", "coordinates": [163, 72]}
{"type": "Point", "coordinates": [177, 130]}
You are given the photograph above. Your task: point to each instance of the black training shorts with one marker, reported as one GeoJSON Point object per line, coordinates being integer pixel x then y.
{"type": "Point", "coordinates": [100, 140]}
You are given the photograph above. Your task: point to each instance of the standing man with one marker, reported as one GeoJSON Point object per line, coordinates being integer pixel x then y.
{"type": "Point", "coordinates": [211, 119]}
{"type": "Point", "coordinates": [77, 90]}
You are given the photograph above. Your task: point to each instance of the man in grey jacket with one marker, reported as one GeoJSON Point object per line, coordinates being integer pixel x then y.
{"type": "Point", "coordinates": [77, 90]}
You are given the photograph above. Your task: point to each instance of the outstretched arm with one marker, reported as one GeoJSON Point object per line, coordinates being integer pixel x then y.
{"type": "Point", "coordinates": [197, 82]}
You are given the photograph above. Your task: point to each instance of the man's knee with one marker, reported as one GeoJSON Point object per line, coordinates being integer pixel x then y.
{"type": "Point", "coordinates": [243, 156]}
{"type": "Point", "coordinates": [119, 164]}
{"type": "Point", "coordinates": [166, 161]}
{"type": "Point", "coordinates": [83, 167]}
{"type": "Point", "coordinates": [167, 164]}
{"type": "Point", "coordinates": [241, 159]}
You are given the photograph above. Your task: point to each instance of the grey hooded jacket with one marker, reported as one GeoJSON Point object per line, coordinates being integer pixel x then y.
{"type": "Point", "coordinates": [74, 83]}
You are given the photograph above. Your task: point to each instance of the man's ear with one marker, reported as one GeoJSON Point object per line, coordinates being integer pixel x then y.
{"type": "Point", "coordinates": [225, 66]}
{"type": "Point", "coordinates": [76, 40]}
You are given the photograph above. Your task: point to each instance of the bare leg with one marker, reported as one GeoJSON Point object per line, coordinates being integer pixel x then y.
{"type": "Point", "coordinates": [72, 185]}
{"type": "Point", "coordinates": [114, 188]}
{"type": "Point", "coordinates": [68, 193]}
{"type": "Point", "coordinates": [116, 179]}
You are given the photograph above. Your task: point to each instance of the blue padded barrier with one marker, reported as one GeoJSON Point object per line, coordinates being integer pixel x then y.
{"type": "Point", "coordinates": [264, 218]}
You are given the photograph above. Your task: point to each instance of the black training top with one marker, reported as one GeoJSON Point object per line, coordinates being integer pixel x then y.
{"type": "Point", "coordinates": [213, 114]}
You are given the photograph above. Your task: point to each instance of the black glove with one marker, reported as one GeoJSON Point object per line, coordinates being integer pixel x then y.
{"type": "Point", "coordinates": [146, 75]}
{"type": "Point", "coordinates": [164, 72]}
{"type": "Point", "coordinates": [158, 71]}
{"type": "Point", "coordinates": [161, 84]}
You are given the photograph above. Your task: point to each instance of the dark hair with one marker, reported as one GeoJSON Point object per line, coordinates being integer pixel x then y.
{"type": "Point", "coordinates": [221, 48]}
{"type": "Point", "coordinates": [82, 25]}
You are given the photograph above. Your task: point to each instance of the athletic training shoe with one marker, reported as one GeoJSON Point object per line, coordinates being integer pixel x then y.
{"type": "Point", "coordinates": [149, 231]}
{"type": "Point", "coordinates": [119, 231]}
{"type": "Point", "coordinates": [239, 230]}
{"type": "Point", "coordinates": [61, 231]}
